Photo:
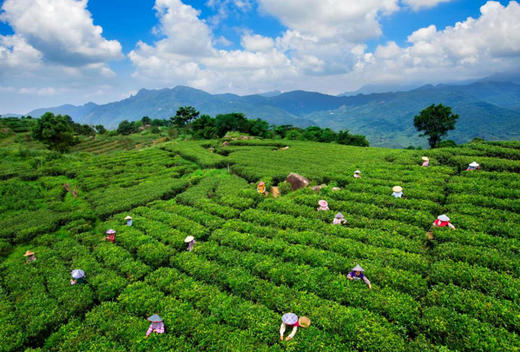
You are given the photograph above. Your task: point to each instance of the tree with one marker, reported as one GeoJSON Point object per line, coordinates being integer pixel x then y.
{"type": "Point", "coordinates": [184, 115]}
{"type": "Point", "coordinates": [126, 127]}
{"type": "Point", "coordinates": [344, 137]}
{"type": "Point", "coordinates": [146, 120]}
{"type": "Point", "coordinates": [435, 121]}
{"type": "Point", "coordinates": [100, 129]}
{"type": "Point", "coordinates": [55, 131]}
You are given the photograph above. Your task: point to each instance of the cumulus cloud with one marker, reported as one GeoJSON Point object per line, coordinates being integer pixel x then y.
{"type": "Point", "coordinates": [55, 42]}
{"type": "Point", "coordinates": [469, 49]}
{"type": "Point", "coordinates": [423, 4]}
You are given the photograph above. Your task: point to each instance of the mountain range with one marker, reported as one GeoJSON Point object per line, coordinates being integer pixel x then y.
{"type": "Point", "coordinates": [488, 109]}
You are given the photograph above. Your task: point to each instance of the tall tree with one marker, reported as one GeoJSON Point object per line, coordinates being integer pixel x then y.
{"type": "Point", "coordinates": [55, 131]}
{"type": "Point", "coordinates": [184, 115]}
{"type": "Point", "coordinates": [435, 121]}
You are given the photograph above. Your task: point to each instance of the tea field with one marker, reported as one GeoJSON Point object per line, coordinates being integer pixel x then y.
{"type": "Point", "coordinates": [258, 257]}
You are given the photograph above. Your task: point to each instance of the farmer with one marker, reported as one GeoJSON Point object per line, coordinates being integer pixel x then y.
{"type": "Point", "coordinates": [473, 166]}
{"type": "Point", "coordinates": [292, 319]}
{"type": "Point", "coordinates": [111, 235]}
{"type": "Point", "coordinates": [30, 257]}
{"type": "Point", "coordinates": [78, 277]}
{"type": "Point", "coordinates": [426, 161]}
{"type": "Point", "coordinates": [397, 192]}
{"type": "Point", "coordinates": [357, 174]}
{"type": "Point", "coordinates": [323, 205]}
{"type": "Point", "coordinates": [443, 221]}
{"type": "Point", "coordinates": [190, 240]}
{"type": "Point", "coordinates": [157, 325]}
{"type": "Point", "coordinates": [357, 274]}
{"type": "Point", "coordinates": [339, 219]}
{"type": "Point", "coordinates": [261, 188]}
{"type": "Point", "coordinates": [128, 220]}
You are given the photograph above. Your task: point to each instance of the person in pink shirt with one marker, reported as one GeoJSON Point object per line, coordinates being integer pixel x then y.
{"type": "Point", "coordinates": [443, 221]}
{"type": "Point", "coordinates": [291, 319]}
{"type": "Point", "coordinates": [323, 205]}
{"type": "Point", "coordinates": [426, 161]}
{"type": "Point", "coordinates": [156, 326]}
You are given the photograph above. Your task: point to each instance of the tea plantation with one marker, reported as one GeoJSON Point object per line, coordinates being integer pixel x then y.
{"type": "Point", "coordinates": [258, 257]}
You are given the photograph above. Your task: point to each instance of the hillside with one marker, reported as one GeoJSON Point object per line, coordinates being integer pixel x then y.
{"type": "Point", "coordinates": [258, 257]}
{"type": "Point", "coordinates": [487, 109]}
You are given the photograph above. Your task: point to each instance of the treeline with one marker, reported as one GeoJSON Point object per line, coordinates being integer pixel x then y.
{"type": "Point", "coordinates": [188, 122]}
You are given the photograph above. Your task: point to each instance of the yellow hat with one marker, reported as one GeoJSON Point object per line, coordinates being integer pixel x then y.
{"type": "Point", "coordinates": [425, 158]}
{"type": "Point", "coordinates": [397, 189]}
{"type": "Point", "coordinates": [304, 322]}
{"type": "Point", "coordinates": [28, 253]}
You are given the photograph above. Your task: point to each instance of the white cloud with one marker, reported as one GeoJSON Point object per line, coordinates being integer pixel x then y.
{"type": "Point", "coordinates": [257, 42]}
{"type": "Point", "coordinates": [423, 4]}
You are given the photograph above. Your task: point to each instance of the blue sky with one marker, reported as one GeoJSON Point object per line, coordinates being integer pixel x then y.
{"type": "Point", "coordinates": [74, 51]}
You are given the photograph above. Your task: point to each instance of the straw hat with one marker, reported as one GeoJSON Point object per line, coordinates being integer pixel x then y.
{"type": "Point", "coordinates": [474, 164]}
{"type": "Point", "coordinates": [358, 268]}
{"type": "Point", "coordinates": [188, 239]}
{"type": "Point", "coordinates": [304, 322]}
{"type": "Point", "coordinates": [28, 253]}
{"type": "Point", "coordinates": [289, 318]}
{"type": "Point", "coordinates": [397, 189]}
{"type": "Point", "coordinates": [425, 158]}
{"type": "Point", "coordinates": [111, 232]}
{"type": "Point", "coordinates": [155, 318]}
{"type": "Point", "coordinates": [339, 216]}
{"type": "Point", "coordinates": [443, 217]}
{"type": "Point", "coordinates": [78, 273]}
{"type": "Point", "coordinates": [357, 172]}
{"type": "Point", "coordinates": [323, 203]}
{"type": "Point", "coordinates": [128, 217]}
{"type": "Point", "coordinates": [261, 183]}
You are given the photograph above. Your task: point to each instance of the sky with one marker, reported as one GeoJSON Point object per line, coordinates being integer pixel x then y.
{"type": "Point", "coordinates": [55, 52]}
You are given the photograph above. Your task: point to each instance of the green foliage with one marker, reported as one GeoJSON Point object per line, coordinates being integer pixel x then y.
{"type": "Point", "coordinates": [435, 121]}
{"type": "Point", "coordinates": [54, 131]}
{"type": "Point", "coordinates": [183, 116]}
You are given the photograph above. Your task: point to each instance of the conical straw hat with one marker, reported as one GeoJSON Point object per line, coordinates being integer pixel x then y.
{"type": "Point", "coordinates": [111, 232]}
{"type": "Point", "coordinates": [323, 203]}
{"type": "Point", "coordinates": [290, 318]}
{"type": "Point", "coordinates": [188, 239]}
{"type": "Point", "coordinates": [397, 189]}
{"type": "Point", "coordinates": [474, 164]}
{"type": "Point", "coordinates": [78, 273]}
{"type": "Point", "coordinates": [443, 217]}
{"type": "Point", "coordinates": [425, 158]}
{"type": "Point", "coordinates": [357, 172]}
{"type": "Point", "coordinates": [358, 268]}
{"type": "Point", "coordinates": [339, 216]}
{"type": "Point", "coordinates": [155, 318]}
{"type": "Point", "coordinates": [304, 322]}
{"type": "Point", "coordinates": [28, 253]}
{"type": "Point", "coordinates": [128, 218]}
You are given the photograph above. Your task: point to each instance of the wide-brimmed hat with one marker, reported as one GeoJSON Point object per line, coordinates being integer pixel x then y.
{"type": "Point", "coordinates": [304, 322]}
{"type": "Point", "coordinates": [77, 273]}
{"type": "Point", "coordinates": [358, 268]}
{"type": "Point", "coordinates": [128, 217]}
{"type": "Point", "coordinates": [323, 203]}
{"type": "Point", "coordinates": [425, 158]}
{"type": "Point", "coordinates": [28, 253]}
{"type": "Point", "coordinates": [290, 318]}
{"type": "Point", "coordinates": [397, 189]}
{"type": "Point", "coordinates": [357, 172]}
{"type": "Point", "coordinates": [339, 216]}
{"type": "Point", "coordinates": [474, 164]}
{"type": "Point", "coordinates": [188, 239]}
{"type": "Point", "coordinates": [155, 318]}
{"type": "Point", "coordinates": [111, 232]}
{"type": "Point", "coordinates": [261, 183]}
{"type": "Point", "coordinates": [443, 217]}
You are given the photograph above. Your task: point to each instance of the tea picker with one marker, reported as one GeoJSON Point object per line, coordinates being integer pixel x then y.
{"type": "Point", "coordinates": [473, 166]}
{"type": "Point", "coordinates": [261, 188]}
{"type": "Point", "coordinates": [111, 235]}
{"type": "Point", "coordinates": [426, 161]}
{"type": "Point", "coordinates": [30, 257]}
{"type": "Point", "coordinates": [357, 274]}
{"type": "Point", "coordinates": [323, 205]}
{"type": "Point", "coordinates": [443, 221]}
{"type": "Point", "coordinates": [190, 240]}
{"type": "Point", "coordinates": [156, 325]}
{"type": "Point", "coordinates": [78, 277]}
{"type": "Point", "coordinates": [291, 319]}
{"type": "Point", "coordinates": [339, 219]}
{"type": "Point", "coordinates": [357, 174]}
{"type": "Point", "coordinates": [128, 221]}
{"type": "Point", "coordinates": [397, 192]}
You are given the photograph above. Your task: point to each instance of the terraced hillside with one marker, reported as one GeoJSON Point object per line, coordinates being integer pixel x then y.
{"type": "Point", "coordinates": [257, 257]}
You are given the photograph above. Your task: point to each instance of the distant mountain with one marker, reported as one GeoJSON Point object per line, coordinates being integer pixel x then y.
{"type": "Point", "coordinates": [487, 109]}
{"type": "Point", "coordinates": [270, 94]}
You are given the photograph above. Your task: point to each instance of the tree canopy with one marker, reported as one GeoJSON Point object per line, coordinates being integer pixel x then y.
{"type": "Point", "coordinates": [435, 121]}
{"type": "Point", "coordinates": [55, 131]}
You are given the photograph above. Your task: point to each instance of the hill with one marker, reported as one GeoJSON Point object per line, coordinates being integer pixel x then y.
{"type": "Point", "coordinates": [487, 109]}
{"type": "Point", "coordinates": [257, 257]}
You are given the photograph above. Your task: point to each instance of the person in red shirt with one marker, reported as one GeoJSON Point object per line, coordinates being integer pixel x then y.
{"type": "Point", "coordinates": [111, 235]}
{"type": "Point", "coordinates": [443, 221]}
